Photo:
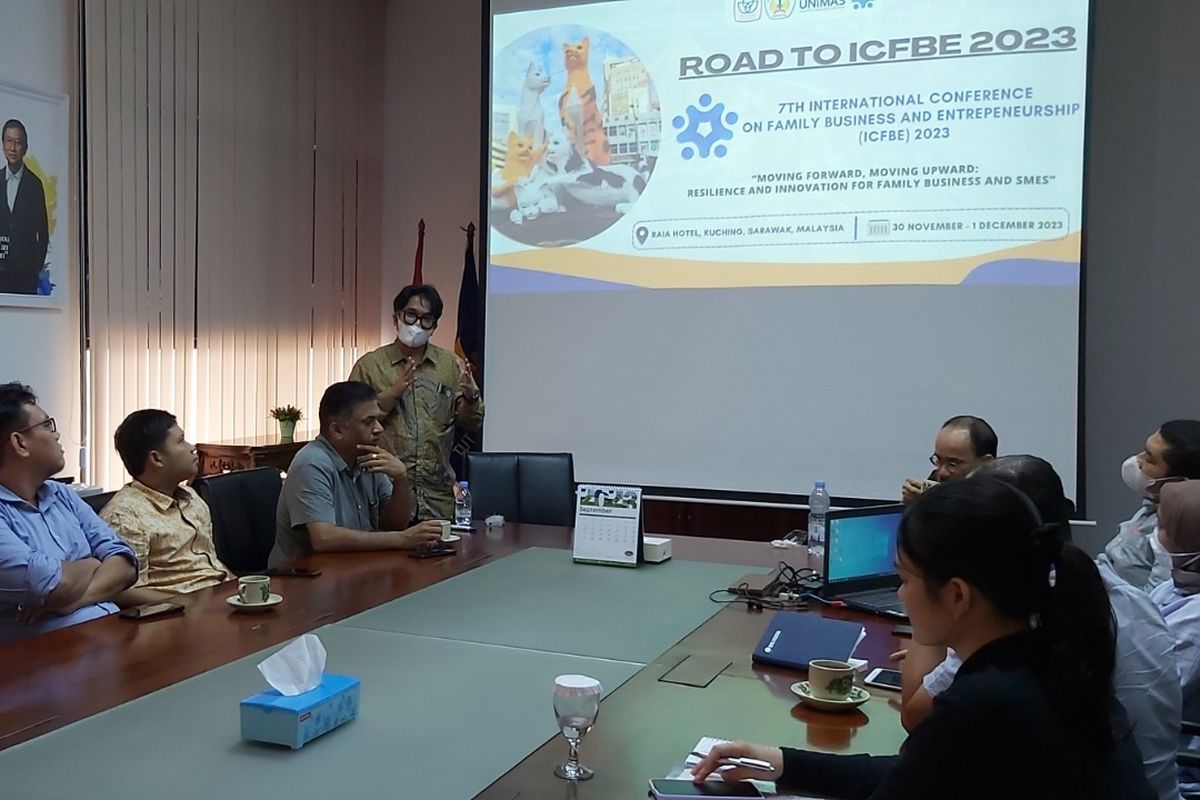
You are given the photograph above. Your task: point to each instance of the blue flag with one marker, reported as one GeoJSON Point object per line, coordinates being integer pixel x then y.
{"type": "Point", "coordinates": [468, 344]}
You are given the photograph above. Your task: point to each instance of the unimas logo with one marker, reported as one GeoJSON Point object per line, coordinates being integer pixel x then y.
{"type": "Point", "coordinates": [704, 128]}
{"type": "Point", "coordinates": [751, 10]}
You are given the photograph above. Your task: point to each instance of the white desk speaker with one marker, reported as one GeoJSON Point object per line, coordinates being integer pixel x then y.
{"type": "Point", "coordinates": [656, 550]}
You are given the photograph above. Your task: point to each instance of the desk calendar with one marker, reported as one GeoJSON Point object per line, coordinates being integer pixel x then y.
{"type": "Point", "coordinates": [608, 525]}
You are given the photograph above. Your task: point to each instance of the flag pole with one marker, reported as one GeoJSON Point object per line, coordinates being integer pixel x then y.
{"type": "Point", "coordinates": [418, 275]}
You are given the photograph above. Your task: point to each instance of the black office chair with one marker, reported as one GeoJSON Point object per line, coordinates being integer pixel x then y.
{"type": "Point", "coordinates": [98, 501]}
{"type": "Point", "coordinates": [537, 488]}
{"type": "Point", "coordinates": [243, 505]}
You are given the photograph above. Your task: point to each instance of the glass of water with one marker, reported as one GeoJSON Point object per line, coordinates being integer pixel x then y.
{"type": "Point", "coordinates": [576, 705]}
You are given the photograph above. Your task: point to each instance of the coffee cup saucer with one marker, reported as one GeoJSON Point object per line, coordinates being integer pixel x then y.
{"type": "Point", "coordinates": [454, 537]}
{"type": "Point", "coordinates": [857, 697]}
{"type": "Point", "coordinates": [272, 601]}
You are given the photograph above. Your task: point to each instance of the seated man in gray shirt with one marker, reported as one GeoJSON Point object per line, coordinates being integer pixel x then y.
{"type": "Point", "coordinates": [343, 492]}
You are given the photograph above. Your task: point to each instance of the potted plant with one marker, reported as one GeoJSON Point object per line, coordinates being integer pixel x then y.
{"type": "Point", "coordinates": [287, 416]}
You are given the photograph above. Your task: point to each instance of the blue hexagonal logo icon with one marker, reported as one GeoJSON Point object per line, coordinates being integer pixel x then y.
{"type": "Point", "coordinates": [704, 128]}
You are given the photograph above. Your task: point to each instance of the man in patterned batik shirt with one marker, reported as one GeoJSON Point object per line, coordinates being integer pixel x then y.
{"type": "Point", "coordinates": [161, 518]}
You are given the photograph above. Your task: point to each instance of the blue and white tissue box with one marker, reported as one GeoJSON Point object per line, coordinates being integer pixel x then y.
{"type": "Point", "coordinates": [295, 721]}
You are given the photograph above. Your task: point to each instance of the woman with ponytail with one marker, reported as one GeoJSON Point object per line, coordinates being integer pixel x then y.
{"type": "Point", "coordinates": [1030, 712]}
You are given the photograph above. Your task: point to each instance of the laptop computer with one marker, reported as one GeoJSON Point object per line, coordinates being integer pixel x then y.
{"type": "Point", "coordinates": [860, 559]}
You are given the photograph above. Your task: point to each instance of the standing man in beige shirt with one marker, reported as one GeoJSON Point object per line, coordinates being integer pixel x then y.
{"type": "Point", "coordinates": [164, 521]}
{"type": "Point", "coordinates": [424, 391]}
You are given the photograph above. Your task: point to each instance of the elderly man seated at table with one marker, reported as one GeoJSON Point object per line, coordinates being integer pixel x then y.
{"type": "Point", "coordinates": [962, 444]}
{"type": "Point", "coordinates": [59, 563]}
{"type": "Point", "coordinates": [343, 491]}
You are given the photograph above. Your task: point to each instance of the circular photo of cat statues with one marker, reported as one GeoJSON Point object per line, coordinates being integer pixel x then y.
{"type": "Point", "coordinates": [576, 126]}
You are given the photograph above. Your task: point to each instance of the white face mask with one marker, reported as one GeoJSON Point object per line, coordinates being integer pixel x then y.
{"type": "Point", "coordinates": [1161, 557]}
{"type": "Point", "coordinates": [413, 335]}
{"type": "Point", "coordinates": [1133, 476]}
{"type": "Point", "coordinates": [1185, 579]}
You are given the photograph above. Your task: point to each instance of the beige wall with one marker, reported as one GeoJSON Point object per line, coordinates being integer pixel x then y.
{"type": "Point", "coordinates": [40, 347]}
{"type": "Point", "coordinates": [431, 146]}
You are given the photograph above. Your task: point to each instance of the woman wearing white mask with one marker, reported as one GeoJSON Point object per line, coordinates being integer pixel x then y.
{"type": "Point", "coordinates": [1177, 546]}
{"type": "Point", "coordinates": [1172, 453]}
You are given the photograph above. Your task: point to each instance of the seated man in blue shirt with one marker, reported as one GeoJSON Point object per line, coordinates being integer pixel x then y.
{"type": "Point", "coordinates": [59, 563]}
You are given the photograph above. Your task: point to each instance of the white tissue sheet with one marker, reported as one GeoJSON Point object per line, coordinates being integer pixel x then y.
{"type": "Point", "coordinates": [297, 668]}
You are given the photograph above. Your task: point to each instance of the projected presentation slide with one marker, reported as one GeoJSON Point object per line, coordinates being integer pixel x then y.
{"type": "Point", "coordinates": [760, 143]}
{"type": "Point", "coordinates": [742, 245]}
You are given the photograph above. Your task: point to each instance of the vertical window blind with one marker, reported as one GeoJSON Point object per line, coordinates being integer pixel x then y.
{"type": "Point", "coordinates": [232, 202]}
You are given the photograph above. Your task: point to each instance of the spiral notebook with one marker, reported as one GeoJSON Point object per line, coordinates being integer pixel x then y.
{"type": "Point", "coordinates": [608, 525]}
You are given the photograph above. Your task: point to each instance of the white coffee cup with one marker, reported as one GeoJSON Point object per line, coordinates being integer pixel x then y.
{"type": "Point", "coordinates": [254, 590]}
{"type": "Point", "coordinates": [445, 530]}
{"type": "Point", "coordinates": [829, 679]}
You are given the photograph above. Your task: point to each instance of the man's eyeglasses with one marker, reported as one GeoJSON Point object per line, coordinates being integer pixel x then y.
{"type": "Point", "coordinates": [48, 423]}
{"type": "Point", "coordinates": [427, 321]}
{"type": "Point", "coordinates": [949, 463]}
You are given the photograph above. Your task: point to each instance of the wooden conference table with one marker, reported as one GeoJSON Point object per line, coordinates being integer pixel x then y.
{"type": "Point", "coordinates": [646, 726]}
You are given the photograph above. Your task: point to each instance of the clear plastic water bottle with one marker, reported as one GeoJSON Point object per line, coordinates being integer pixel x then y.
{"type": "Point", "coordinates": [818, 507]}
{"type": "Point", "coordinates": [462, 506]}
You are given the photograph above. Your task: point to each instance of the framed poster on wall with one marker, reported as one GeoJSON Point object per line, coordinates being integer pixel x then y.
{"type": "Point", "coordinates": [34, 198]}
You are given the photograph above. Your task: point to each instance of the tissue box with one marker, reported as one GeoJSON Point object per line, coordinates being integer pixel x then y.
{"type": "Point", "coordinates": [294, 721]}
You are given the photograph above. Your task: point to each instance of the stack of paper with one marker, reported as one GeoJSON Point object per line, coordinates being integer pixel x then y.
{"type": "Point", "coordinates": [701, 749]}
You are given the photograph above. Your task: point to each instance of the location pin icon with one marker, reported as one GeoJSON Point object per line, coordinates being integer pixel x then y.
{"type": "Point", "coordinates": [642, 233]}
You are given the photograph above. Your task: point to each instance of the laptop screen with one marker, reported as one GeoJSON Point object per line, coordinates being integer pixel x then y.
{"type": "Point", "coordinates": [862, 546]}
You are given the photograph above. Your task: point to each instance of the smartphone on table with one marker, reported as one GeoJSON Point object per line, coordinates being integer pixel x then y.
{"type": "Point", "coordinates": [884, 679]}
{"type": "Point", "coordinates": [292, 572]}
{"type": "Point", "coordinates": [149, 610]}
{"type": "Point", "coordinates": [713, 790]}
{"type": "Point", "coordinates": [432, 550]}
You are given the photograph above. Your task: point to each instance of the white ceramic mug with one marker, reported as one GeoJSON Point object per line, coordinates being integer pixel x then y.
{"type": "Point", "coordinates": [829, 679]}
{"type": "Point", "coordinates": [445, 530]}
{"type": "Point", "coordinates": [254, 590]}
